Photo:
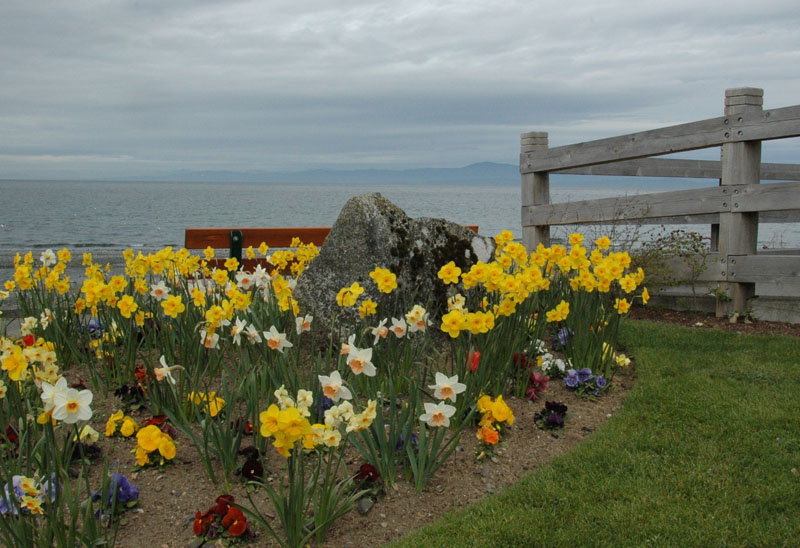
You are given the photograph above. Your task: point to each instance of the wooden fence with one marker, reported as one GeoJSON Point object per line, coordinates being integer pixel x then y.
{"type": "Point", "coordinates": [733, 208]}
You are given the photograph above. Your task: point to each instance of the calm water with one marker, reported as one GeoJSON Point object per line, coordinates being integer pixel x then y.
{"type": "Point", "coordinates": [150, 214]}
{"type": "Point", "coordinates": [106, 217]}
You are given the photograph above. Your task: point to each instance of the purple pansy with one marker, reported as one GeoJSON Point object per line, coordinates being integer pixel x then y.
{"type": "Point", "coordinates": [600, 381]}
{"type": "Point", "coordinates": [584, 375]}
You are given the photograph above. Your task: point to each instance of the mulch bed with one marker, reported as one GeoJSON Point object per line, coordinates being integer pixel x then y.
{"type": "Point", "coordinates": [700, 320]}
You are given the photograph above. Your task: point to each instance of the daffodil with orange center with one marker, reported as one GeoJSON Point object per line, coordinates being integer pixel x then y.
{"type": "Point", "coordinates": [332, 387]}
{"type": "Point", "coordinates": [437, 414]}
{"type": "Point", "coordinates": [360, 361]}
{"type": "Point", "coordinates": [276, 340]}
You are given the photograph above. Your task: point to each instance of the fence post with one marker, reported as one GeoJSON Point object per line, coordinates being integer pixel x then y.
{"type": "Point", "coordinates": [535, 190]}
{"type": "Point", "coordinates": [738, 232]}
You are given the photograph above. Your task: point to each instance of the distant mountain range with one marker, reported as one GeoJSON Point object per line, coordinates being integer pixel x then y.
{"type": "Point", "coordinates": [486, 173]}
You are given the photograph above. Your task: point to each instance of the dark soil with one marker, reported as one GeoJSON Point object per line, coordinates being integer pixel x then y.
{"type": "Point", "coordinates": [170, 496]}
{"type": "Point", "coordinates": [700, 320]}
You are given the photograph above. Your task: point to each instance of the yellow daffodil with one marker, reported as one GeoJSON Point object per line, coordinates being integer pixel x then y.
{"type": "Point", "coordinates": [453, 322]}
{"type": "Point", "coordinates": [348, 296]}
{"type": "Point", "coordinates": [15, 364]}
{"type": "Point", "coordinates": [603, 242]}
{"type": "Point", "coordinates": [173, 306]}
{"type": "Point", "coordinates": [622, 306]}
{"type": "Point", "coordinates": [127, 306]}
{"type": "Point", "coordinates": [449, 273]}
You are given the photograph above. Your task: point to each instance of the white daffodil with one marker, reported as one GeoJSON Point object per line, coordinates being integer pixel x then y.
{"type": "Point", "coordinates": [165, 371]}
{"type": "Point", "coordinates": [332, 417]}
{"type": "Point", "coordinates": [275, 340]}
{"type": "Point", "coordinates": [237, 330]}
{"type": "Point", "coordinates": [49, 392]}
{"type": "Point", "coordinates": [456, 302]}
{"type": "Point", "coordinates": [28, 325]}
{"type": "Point", "coordinates": [303, 323]}
{"type": "Point", "coordinates": [346, 346]}
{"type": "Point", "coordinates": [346, 410]}
{"type": "Point", "coordinates": [48, 258]}
{"type": "Point", "coordinates": [417, 319]}
{"type": "Point", "coordinates": [209, 340]}
{"type": "Point", "coordinates": [45, 318]}
{"type": "Point", "coordinates": [283, 398]}
{"type": "Point", "coordinates": [72, 406]}
{"type": "Point", "coordinates": [331, 437]}
{"type": "Point", "coordinates": [380, 332]}
{"type": "Point", "coordinates": [360, 361]}
{"type": "Point", "coordinates": [399, 327]}
{"type": "Point", "coordinates": [332, 387]}
{"type": "Point", "coordinates": [447, 387]}
{"type": "Point", "coordinates": [305, 399]}
{"type": "Point", "coordinates": [252, 334]}
{"type": "Point", "coordinates": [261, 277]}
{"type": "Point", "coordinates": [244, 280]}
{"type": "Point", "coordinates": [159, 291]}
{"type": "Point", "coordinates": [437, 414]}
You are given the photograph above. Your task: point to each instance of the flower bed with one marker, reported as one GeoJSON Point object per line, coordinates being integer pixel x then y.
{"type": "Point", "coordinates": [218, 372]}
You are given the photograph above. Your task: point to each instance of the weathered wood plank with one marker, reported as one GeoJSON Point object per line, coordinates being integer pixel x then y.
{"type": "Point", "coordinates": [535, 190]}
{"type": "Point", "coordinates": [779, 217]}
{"type": "Point", "coordinates": [644, 206]}
{"type": "Point", "coordinates": [761, 125]}
{"type": "Point", "coordinates": [678, 138]}
{"type": "Point", "coordinates": [673, 167]}
{"type": "Point", "coordinates": [773, 269]}
{"type": "Point", "coordinates": [780, 251]}
{"type": "Point", "coordinates": [713, 269]}
{"type": "Point", "coordinates": [777, 123]}
{"type": "Point", "coordinates": [707, 219]}
{"type": "Point", "coordinates": [741, 165]}
{"type": "Point", "coordinates": [769, 197]}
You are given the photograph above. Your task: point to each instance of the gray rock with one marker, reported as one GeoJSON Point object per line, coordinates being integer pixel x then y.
{"type": "Point", "coordinates": [364, 505]}
{"type": "Point", "coordinates": [196, 542]}
{"type": "Point", "coordinates": [373, 232]}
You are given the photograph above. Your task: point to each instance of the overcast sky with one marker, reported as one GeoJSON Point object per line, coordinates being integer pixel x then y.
{"type": "Point", "coordinates": [96, 89]}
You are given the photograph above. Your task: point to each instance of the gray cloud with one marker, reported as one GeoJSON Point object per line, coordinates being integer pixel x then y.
{"type": "Point", "coordinates": [99, 89]}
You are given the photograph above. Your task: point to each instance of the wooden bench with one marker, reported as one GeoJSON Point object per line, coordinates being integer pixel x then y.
{"type": "Point", "coordinates": [236, 239]}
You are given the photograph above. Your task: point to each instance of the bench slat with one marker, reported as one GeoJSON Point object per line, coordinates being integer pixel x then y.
{"type": "Point", "coordinates": [219, 238]}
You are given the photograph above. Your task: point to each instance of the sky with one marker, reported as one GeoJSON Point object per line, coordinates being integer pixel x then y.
{"type": "Point", "coordinates": [123, 89]}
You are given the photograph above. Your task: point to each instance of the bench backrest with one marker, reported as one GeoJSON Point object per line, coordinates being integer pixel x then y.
{"type": "Point", "coordinates": [220, 238]}
{"type": "Point", "coordinates": [236, 239]}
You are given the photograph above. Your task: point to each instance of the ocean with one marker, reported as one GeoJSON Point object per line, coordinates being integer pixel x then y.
{"type": "Point", "coordinates": [107, 217]}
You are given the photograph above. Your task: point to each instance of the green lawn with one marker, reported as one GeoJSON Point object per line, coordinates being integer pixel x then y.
{"type": "Point", "coordinates": [701, 455]}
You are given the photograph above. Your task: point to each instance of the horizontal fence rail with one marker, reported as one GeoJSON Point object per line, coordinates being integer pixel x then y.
{"type": "Point", "coordinates": [689, 204]}
{"type": "Point", "coordinates": [766, 125]}
{"type": "Point", "coordinates": [733, 208]}
{"type": "Point", "coordinates": [688, 169]}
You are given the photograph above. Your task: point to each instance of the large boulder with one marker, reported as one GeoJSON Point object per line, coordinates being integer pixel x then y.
{"type": "Point", "coordinates": [373, 232]}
